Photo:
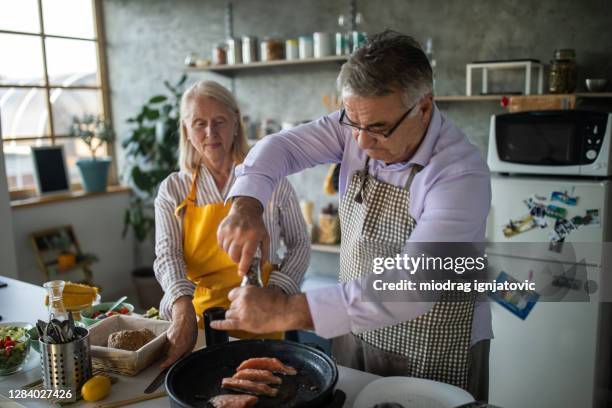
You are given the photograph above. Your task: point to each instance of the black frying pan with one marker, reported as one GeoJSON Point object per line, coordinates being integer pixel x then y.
{"type": "Point", "coordinates": [192, 381]}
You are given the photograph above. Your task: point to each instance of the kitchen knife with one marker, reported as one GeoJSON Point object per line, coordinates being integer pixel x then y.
{"type": "Point", "coordinates": [157, 381]}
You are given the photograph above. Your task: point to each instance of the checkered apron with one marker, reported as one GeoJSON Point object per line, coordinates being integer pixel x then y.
{"type": "Point", "coordinates": [376, 222]}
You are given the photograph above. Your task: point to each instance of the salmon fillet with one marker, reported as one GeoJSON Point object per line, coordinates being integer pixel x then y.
{"type": "Point", "coordinates": [267, 363]}
{"type": "Point", "coordinates": [233, 401]}
{"type": "Point", "coordinates": [249, 387]}
{"type": "Point", "coordinates": [260, 376]}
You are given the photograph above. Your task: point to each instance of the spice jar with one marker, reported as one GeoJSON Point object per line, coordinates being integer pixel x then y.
{"type": "Point", "coordinates": [219, 56]}
{"type": "Point", "coordinates": [562, 75]}
{"type": "Point", "coordinates": [291, 49]}
{"type": "Point", "coordinates": [271, 49]}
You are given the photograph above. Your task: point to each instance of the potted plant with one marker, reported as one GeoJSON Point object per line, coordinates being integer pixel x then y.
{"type": "Point", "coordinates": [151, 154]}
{"type": "Point", "coordinates": [95, 132]}
{"type": "Point", "coordinates": [66, 257]}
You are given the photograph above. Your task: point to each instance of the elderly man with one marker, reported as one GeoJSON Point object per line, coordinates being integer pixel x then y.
{"type": "Point", "coordinates": [407, 175]}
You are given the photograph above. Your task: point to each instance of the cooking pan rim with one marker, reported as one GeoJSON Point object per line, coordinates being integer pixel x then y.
{"type": "Point", "coordinates": [177, 365]}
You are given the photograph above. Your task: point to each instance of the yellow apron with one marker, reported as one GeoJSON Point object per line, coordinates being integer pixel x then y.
{"type": "Point", "coordinates": [208, 265]}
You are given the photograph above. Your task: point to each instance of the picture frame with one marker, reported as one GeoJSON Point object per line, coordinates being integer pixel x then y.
{"type": "Point", "coordinates": [50, 170]}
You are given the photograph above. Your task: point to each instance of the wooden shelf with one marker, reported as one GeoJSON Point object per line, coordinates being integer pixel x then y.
{"type": "Point", "coordinates": [481, 98]}
{"type": "Point", "coordinates": [330, 249]}
{"type": "Point", "coordinates": [594, 94]}
{"type": "Point", "coordinates": [466, 98]}
{"type": "Point", "coordinates": [77, 265]}
{"type": "Point", "coordinates": [60, 197]}
{"type": "Point", "coordinates": [231, 70]}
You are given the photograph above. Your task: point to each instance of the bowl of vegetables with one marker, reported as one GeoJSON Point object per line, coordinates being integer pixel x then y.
{"type": "Point", "coordinates": [98, 312]}
{"type": "Point", "coordinates": [14, 348]}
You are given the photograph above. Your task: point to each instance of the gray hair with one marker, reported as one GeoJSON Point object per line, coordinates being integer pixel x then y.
{"type": "Point", "coordinates": [387, 62]}
{"type": "Point", "coordinates": [189, 158]}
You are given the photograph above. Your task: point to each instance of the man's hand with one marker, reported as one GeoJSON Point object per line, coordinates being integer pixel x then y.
{"type": "Point", "coordinates": [183, 331]}
{"type": "Point", "coordinates": [242, 231]}
{"type": "Point", "coordinates": [265, 310]}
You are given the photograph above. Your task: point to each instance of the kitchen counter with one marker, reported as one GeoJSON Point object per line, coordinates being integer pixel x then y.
{"type": "Point", "coordinates": [13, 308]}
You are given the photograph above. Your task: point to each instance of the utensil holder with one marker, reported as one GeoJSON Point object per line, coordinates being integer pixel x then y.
{"type": "Point", "coordinates": [66, 366]}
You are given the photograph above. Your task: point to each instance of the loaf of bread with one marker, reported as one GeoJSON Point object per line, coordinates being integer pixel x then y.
{"type": "Point", "coordinates": [130, 340]}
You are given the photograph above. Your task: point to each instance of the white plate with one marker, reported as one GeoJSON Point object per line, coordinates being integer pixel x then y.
{"type": "Point", "coordinates": [412, 393]}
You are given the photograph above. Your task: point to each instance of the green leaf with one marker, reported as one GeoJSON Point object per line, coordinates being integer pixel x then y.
{"type": "Point", "coordinates": [140, 180]}
{"type": "Point", "coordinates": [158, 99]}
{"type": "Point", "coordinates": [152, 114]}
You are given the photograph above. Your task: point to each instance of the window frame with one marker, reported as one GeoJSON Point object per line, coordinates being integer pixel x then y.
{"type": "Point", "coordinates": [103, 90]}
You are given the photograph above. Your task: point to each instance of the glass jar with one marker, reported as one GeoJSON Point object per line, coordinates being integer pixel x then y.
{"type": "Point", "coordinates": [271, 49]}
{"type": "Point", "coordinates": [219, 56]}
{"type": "Point", "coordinates": [55, 291]}
{"type": "Point", "coordinates": [562, 75]}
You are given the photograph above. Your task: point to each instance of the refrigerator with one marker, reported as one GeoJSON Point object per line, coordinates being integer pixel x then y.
{"type": "Point", "coordinates": [551, 231]}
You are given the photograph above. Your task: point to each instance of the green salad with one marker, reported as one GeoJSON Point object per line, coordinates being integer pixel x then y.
{"type": "Point", "coordinates": [14, 347]}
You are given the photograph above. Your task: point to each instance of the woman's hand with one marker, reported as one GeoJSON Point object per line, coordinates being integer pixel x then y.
{"type": "Point", "coordinates": [183, 331]}
{"type": "Point", "coordinates": [242, 231]}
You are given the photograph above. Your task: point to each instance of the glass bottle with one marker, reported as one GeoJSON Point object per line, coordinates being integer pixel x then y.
{"type": "Point", "coordinates": [55, 291]}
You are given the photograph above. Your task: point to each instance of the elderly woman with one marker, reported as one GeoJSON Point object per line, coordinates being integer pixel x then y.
{"type": "Point", "coordinates": [194, 271]}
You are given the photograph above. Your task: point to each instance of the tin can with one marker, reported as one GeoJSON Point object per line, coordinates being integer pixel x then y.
{"type": "Point", "coordinates": [305, 47]}
{"type": "Point", "coordinates": [291, 49]}
{"type": "Point", "coordinates": [249, 49]}
{"type": "Point", "coordinates": [322, 45]}
{"type": "Point", "coordinates": [234, 51]}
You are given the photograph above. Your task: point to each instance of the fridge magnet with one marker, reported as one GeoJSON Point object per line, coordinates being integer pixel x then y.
{"type": "Point", "coordinates": [538, 212]}
{"type": "Point", "coordinates": [564, 197]}
{"type": "Point", "coordinates": [515, 227]}
{"type": "Point", "coordinates": [590, 218]}
{"type": "Point", "coordinates": [554, 211]}
{"type": "Point", "coordinates": [538, 197]}
{"type": "Point", "coordinates": [561, 230]}
{"type": "Point", "coordinates": [518, 302]}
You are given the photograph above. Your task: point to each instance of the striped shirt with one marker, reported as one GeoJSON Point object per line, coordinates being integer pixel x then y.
{"type": "Point", "coordinates": [282, 217]}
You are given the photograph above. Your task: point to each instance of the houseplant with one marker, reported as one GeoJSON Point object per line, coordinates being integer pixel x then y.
{"type": "Point", "coordinates": [151, 154]}
{"type": "Point", "coordinates": [95, 132]}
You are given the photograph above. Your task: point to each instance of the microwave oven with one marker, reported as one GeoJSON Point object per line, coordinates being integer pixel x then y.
{"type": "Point", "coordinates": [563, 142]}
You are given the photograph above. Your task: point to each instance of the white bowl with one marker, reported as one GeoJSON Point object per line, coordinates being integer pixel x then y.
{"type": "Point", "coordinates": [412, 393]}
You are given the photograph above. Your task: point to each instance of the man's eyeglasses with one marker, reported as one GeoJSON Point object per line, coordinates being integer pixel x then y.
{"type": "Point", "coordinates": [345, 121]}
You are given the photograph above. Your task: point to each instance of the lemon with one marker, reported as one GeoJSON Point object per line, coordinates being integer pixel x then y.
{"type": "Point", "coordinates": [96, 388]}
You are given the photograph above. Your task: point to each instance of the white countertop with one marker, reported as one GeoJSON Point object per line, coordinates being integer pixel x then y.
{"type": "Point", "coordinates": [13, 308]}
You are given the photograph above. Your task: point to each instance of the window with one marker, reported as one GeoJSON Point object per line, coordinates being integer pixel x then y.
{"type": "Point", "coordinates": [51, 69]}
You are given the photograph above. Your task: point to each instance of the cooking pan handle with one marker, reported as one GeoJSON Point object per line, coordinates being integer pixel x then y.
{"type": "Point", "coordinates": [315, 345]}
{"type": "Point", "coordinates": [338, 400]}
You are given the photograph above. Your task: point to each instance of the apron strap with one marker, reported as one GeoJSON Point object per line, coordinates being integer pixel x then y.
{"type": "Point", "coordinates": [413, 172]}
{"type": "Point", "coordinates": [191, 197]}
{"type": "Point", "coordinates": [364, 173]}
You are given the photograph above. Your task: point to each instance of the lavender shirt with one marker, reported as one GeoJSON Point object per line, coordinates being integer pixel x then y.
{"type": "Point", "coordinates": [450, 200]}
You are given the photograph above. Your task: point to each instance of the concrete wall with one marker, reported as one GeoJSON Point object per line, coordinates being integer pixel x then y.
{"type": "Point", "coordinates": [149, 40]}
{"type": "Point", "coordinates": [98, 223]}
